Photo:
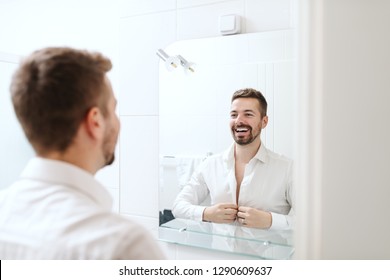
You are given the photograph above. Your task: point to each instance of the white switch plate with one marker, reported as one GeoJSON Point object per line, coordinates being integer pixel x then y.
{"type": "Point", "coordinates": [229, 24]}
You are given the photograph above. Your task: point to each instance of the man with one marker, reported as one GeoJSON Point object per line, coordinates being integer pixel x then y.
{"type": "Point", "coordinates": [248, 183]}
{"type": "Point", "coordinates": [57, 210]}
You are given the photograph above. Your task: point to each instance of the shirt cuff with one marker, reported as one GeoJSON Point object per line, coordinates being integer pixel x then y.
{"type": "Point", "coordinates": [198, 213]}
{"type": "Point", "coordinates": [278, 221]}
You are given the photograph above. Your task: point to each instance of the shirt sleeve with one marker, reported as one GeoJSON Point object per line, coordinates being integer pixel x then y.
{"type": "Point", "coordinates": [281, 221]}
{"type": "Point", "coordinates": [187, 203]}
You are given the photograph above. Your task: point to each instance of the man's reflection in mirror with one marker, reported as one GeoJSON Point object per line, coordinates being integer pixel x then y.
{"type": "Point", "coordinates": [247, 184]}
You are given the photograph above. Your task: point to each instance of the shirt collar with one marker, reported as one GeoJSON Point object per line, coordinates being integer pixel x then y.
{"type": "Point", "coordinates": [63, 173]}
{"type": "Point", "coordinates": [228, 156]}
{"type": "Point", "coordinates": [261, 155]}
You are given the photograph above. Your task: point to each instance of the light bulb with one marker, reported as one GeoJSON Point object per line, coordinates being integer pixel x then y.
{"type": "Point", "coordinates": [171, 63]}
{"type": "Point", "coordinates": [189, 67]}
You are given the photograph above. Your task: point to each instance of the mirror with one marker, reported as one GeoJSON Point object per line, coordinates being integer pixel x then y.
{"type": "Point", "coordinates": [194, 123]}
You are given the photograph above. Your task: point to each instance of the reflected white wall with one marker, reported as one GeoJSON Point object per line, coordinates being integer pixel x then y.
{"type": "Point", "coordinates": [195, 108]}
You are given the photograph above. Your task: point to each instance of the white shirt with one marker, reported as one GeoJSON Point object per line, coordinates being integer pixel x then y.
{"type": "Point", "coordinates": [266, 185]}
{"type": "Point", "coordinates": [59, 211]}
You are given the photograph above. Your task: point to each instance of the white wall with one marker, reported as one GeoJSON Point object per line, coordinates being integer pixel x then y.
{"type": "Point", "coordinates": [29, 25]}
{"type": "Point", "coordinates": [345, 81]}
{"type": "Point", "coordinates": [13, 144]}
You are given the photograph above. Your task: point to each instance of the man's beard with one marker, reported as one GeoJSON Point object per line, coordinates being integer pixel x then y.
{"type": "Point", "coordinates": [108, 151]}
{"type": "Point", "coordinates": [110, 159]}
{"type": "Point", "coordinates": [244, 140]}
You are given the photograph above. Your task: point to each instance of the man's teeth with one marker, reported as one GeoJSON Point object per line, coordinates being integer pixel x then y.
{"type": "Point", "coordinates": [241, 129]}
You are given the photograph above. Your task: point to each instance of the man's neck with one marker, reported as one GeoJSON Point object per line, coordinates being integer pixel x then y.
{"type": "Point", "coordinates": [244, 153]}
{"type": "Point", "coordinates": [77, 159]}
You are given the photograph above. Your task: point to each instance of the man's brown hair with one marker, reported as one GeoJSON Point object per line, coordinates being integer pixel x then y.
{"type": "Point", "coordinates": [252, 93]}
{"type": "Point", "coordinates": [52, 91]}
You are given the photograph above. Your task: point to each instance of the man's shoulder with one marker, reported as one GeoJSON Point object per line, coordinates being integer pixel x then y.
{"type": "Point", "coordinates": [130, 238]}
{"type": "Point", "coordinates": [118, 222]}
{"type": "Point", "coordinates": [213, 160]}
{"type": "Point", "coordinates": [278, 158]}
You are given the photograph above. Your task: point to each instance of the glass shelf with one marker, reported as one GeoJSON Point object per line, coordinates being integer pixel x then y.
{"type": "Point", "coordinates": [230, 238]}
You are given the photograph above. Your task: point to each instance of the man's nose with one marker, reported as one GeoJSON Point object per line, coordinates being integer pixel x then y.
{"type": "Point", "coordinates": [239, 120]}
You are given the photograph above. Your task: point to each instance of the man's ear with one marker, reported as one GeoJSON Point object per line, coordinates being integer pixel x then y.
{"type": "Point", "coordinates": [94, 122]}
{"type": "Point", "coordinates": [264, 122]}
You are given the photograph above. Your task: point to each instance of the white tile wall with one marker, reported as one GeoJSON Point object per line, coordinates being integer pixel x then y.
{"type": "Point", "coordinates": [194, 3]}
{"type": "Point", "coordinates": [203, 21]}
{"type": "Point", "coordinates": [14, 148]}
{"type": "Point", "coordinates": [283, 114]}
{"type": "Point", "coordinates": [132, 8]}
{"type": "Point", "coordinates": [139, 166]}
{"type": "Point", "coordinates": [233, 77]}
{"type": "Point", "coordinates": [183, 88]}
{"type": "Point", "coordinates": [265, 15]}
{"type": "Point", "coordinates": [290, 41]}
{"type": "Point", "coordinates": [187, 135]}
{"type": "Point", "coordinates": [138, 64]}
{"type": "Point", "coordinates": [224, 138]}
{"type": "Point", "coordinates": [58, 23]}
{"type": "Point", "coordinates": [272, 47]}
{"type": "Point", "coordinates": [228, 51]}
{"type": "Point", "coordinates": [269, 94]}
{"type": "Point", "coordinates": [262, 87]}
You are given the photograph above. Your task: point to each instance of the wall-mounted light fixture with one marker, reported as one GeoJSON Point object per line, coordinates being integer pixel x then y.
{"type": "Point", "coordinates": [171, 62]}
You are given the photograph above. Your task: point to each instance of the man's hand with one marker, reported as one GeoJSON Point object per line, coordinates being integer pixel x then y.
{"type": "Point", "coordinates": [252, 217]}
{"type": "Point", "coordinates": [220, 213]}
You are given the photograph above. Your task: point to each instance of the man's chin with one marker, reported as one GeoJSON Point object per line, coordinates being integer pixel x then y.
{"type": "Point", "coordinates": [243, 142]}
